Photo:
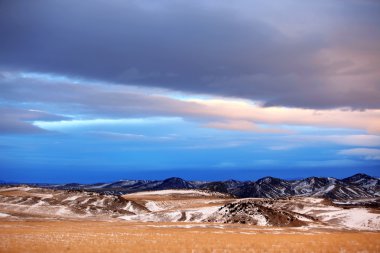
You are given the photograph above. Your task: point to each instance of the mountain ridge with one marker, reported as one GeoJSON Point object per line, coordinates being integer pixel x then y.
{"type": "Point", "coordinates": [356, 186]}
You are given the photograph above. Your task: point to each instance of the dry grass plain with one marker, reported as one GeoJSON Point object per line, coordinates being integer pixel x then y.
{"type": "Point", "coordinates": [118, 236]}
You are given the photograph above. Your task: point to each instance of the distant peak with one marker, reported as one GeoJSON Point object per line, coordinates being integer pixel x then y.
{"type": "Point", "coordinates": [359, 176]}
{"type": "Point", "coordinates": [268, 179]}
{"type": "Point", "coordinates": [174, 179]}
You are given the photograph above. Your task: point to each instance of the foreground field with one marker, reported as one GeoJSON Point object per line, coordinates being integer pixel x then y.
{"type": "Point", "coordinates": [44, 220]}
{"type": "Point", "coordinates": [119, 236]}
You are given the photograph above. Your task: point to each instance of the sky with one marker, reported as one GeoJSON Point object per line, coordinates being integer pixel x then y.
{"type": "Point", "coordinates": [96, 91]}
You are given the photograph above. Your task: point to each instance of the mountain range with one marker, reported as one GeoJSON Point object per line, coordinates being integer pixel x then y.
{"type": "Point", "coordinates": [354, 187]}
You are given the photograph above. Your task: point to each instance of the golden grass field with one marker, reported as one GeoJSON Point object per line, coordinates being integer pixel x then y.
{"type": "Point", "coordinates": [118, 236]}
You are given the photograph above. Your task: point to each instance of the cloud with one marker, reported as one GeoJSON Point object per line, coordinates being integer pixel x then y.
{"type": "Point", "coordinates": [284, 147]}
{"type": "Point", "coordinates": [243, 110]}
{"type": "Point", "coordinates": [131, 136]}
{"type": "Point", "coordinates": [246, 126]}
{"type": "Point", "coordinates": [19, 121]}
{"type": "Point", "coordinates": [256, 50]}
{"type": "Point", "coordinates": [225, 165]}
{"type": "Point", "coordinates": [355, 140]}
{"type": "Point", "coordinates": [361, 140]}
{"type": "Point", "coordinates": [366, 153]}
{"type": "Point", "coordinates": [85, 102]}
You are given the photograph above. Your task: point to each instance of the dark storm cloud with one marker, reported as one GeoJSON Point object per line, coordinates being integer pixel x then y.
{"type": "Point", "coordinates": [88, 100]}
{"type": "Point", "coordinates": [317, 55]}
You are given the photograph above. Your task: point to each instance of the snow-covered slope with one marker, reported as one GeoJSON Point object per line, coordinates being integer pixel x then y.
{"type": "Point", "coordinates": [370, 184]}
{"type": "Point", "coordinates": [37, 202]}
{"type": "Point", "coordinates": [177, 205]}
{"type": "Point", "coordinates": [254, 213]}
{"type": "Point", "coordinates": [192, 205]}
{"type": "Point", "coordinates": [330, 214]}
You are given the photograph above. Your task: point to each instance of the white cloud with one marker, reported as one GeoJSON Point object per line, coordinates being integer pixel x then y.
{"type": "Point", "coordinates": [361, 140]}
{"type": "Point", "coordinates": [366, 153]}
{"type": "Point", "coordinates": [284, 147]}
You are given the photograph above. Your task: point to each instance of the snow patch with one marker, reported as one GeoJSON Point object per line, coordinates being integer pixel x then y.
{"type": "Point", "coordinates": [17, 188]}
{"type": "Point", "coordinates": [354, 218]}
{"type": "Point", "coordinates": [3, 215]}
{"type": "Point", "coordinates": [330, 188]}
{"type": "Point", "coordinates": [72, 198]}
{"type": "Point", "coordinates": [313, 200]}
{"type": "Point", "coordinates": [153, 207]}
{"type": "Point", "coordinates": [157, 217]}
{"type": "Point", "coordinates": [200, 214]}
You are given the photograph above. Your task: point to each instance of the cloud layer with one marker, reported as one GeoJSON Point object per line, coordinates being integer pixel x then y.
{"type": "Point", "coordinates": [95, 100]}
{"type": "Point", "coordinates": [322, 54]}
{"type": "Point", "coordinates": [367, 153]}
{"type": "Point", "coordinates": [19, 121]}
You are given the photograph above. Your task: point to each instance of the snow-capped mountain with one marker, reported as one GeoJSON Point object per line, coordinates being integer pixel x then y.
{"type": "Point", "coordinates": [270, 187]}
{"type": "Point", "coordinates": [371, 184]}
{"type": "Point", "coordinates": [354, 187]}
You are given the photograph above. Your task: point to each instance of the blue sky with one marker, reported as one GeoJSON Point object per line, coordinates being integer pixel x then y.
{"type": "Point", "coordinates": [204, 90]}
